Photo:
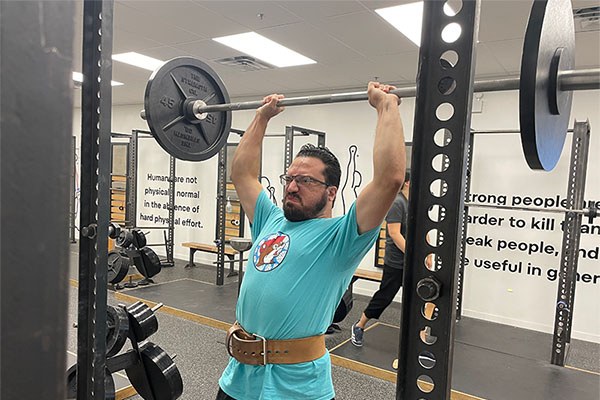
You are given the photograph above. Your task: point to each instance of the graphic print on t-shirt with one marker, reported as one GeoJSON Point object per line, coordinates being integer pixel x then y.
{"type": "Point", "coordinates": [271, 251]}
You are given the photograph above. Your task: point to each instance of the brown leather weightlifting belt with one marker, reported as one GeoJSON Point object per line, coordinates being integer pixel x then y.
{"type": "Point", "coordinates": [253, 349]}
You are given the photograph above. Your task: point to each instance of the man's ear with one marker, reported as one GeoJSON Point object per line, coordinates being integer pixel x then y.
{"type": "Point", "coordinates": [332, 192]}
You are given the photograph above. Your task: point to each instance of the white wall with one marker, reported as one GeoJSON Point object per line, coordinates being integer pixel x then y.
{"type": "Point", "coordinates": [499, 168]}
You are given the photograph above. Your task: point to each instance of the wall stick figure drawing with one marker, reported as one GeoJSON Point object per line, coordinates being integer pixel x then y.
{"type": "Point", "coordinates": [269, 188]}
{"type": "Point", "coordinates": [353, 178]}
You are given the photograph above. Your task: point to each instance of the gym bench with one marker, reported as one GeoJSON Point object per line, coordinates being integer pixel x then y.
{"type": "Point", "coordinates": [369, 275]}
{"type": "Point", "coordinates": [210, 248]}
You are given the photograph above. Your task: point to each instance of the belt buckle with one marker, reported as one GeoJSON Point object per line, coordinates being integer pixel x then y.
{"type": "Point", "coordinates": [264, 345]}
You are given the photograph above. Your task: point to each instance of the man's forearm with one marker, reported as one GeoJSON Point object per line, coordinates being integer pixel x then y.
{"type": "Point", "coordinates": [246, 160]}
{"type": "Point", "coordinates": [389, 155]}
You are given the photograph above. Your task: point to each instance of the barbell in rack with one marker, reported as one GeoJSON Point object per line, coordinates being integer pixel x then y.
{"type": "Point", "coordinates": [187, 107]}
{"type": "Point", "coordinates": [568, 81]}
{"type": "Point", "coordinates": [590, 212]}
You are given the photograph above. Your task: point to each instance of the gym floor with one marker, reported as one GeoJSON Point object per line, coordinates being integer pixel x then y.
{"type": "Point", "coordinates": [492, 361]}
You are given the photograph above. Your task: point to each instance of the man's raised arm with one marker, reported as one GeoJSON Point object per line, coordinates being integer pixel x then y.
{"type": "Point", "coordinates": [389, 159]}
{"type": "Point", "coordinates": [245, 167]}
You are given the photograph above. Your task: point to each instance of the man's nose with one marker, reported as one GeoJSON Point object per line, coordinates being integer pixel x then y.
{"type": "Point", "coordinates": [292, 186]}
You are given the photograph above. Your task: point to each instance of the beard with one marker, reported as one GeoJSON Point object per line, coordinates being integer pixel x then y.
{"type": "Point", "coordinates": [295, 214]}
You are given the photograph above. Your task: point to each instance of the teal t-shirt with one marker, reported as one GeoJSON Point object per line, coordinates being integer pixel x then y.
{"type": "Point", "coordinates": [296, 275]}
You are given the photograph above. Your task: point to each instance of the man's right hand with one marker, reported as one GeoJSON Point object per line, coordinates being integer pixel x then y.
{"type": "Point", "coordinates": [269, 109]}
{"type": "Point", "coordinates": [379, 94]}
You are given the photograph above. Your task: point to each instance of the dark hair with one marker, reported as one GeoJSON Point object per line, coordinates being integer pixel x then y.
{"type": "Point", "coordinates": [407, 176]}
{"type": "Point", "coordinates": [332, 171]}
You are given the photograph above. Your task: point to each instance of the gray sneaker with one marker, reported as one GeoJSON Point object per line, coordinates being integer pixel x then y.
{"type": "Point", "coordinates": [357, 335]}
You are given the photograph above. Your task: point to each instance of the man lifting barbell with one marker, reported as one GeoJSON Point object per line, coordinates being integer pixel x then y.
{"type": "Point", "coordinates": [302, 259]}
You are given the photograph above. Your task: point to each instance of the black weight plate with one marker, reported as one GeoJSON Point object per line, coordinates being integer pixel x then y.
{"type": "Point", "coordinates": [142, 320]}
{"type": "Point", "coordinates": [167, 89]}
{"type": "Point", "coordinates": [125, 239]}
{"type": "Point", "coordinates": [109, 384]}
{"type": "Point", "coordinates": [157, 376]}
{"type": "Point", "coordinates": [543, 133]}
{"type": "Point", "coordinates": [118, 266]}
{"type": "Point", "coordinates": [72, 382]}
{"type": "Point", "coordinates": [151, 262]}
{"type": "Point", "coordinates": [117, 329]}
{"type": "Point", "coordinates": [139, 238]}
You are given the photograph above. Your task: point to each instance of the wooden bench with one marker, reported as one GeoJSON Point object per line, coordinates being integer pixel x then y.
{"type": "Point", "coordinates": [369, 275]}
{"type": "Point", "coordinates": [211, 248]}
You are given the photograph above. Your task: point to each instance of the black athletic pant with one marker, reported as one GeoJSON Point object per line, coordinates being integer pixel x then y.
{"type": "Point", "coordinates": [388, 288]}
{"type": "Point", "coordinates": [223, 396]}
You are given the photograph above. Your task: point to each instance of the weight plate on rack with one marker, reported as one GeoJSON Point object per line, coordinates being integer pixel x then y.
{"type": "Point", "coordinates": [544, 110]}
{"type": "Point", "coordinates": [151, 262]}
{"type": "Point", "coordinates": [118, 266]}
{"type": "Point", "coordinates": [142, 321]}
{"type": "Point", "coordinates": [117, 329]}
{"type": "Point", "coordinates": [168, 92]}
{"type": "Point", "coordinates": [157, 375]}
{"type": "Point", "coordinates": [109, 384]}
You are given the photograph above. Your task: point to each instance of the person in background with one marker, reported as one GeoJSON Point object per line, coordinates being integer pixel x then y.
{"type": "Point", "coordinates": [393, 263]}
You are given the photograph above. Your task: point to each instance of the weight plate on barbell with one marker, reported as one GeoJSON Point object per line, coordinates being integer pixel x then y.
{"type": "Point", "coordinates": [168, 91]}
{"type": "Point", "coordinates": [544, 110]}
{"type": "Point", "coordinates": [157, 375]}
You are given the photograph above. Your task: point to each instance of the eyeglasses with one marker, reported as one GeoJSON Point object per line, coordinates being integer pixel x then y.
{"type": "Point", "coordinates": [301, 180]}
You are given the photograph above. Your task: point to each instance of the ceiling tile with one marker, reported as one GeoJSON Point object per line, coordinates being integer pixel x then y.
{"type": "Point", "coordinates": [189, 16]}
{"type": "Point", "coordinates": [368, 34]}
{"type": "Point", "coordinates": [124, 41]}
{"type": "Point", "coordinates": [139, 23]}
{"type": "Point", "coordinates": [503, 20]}
{"type": "Point", "coordinates": [319, 10]}
{"type": "Point", "coordinates": [486, 63]}
{"type": "Point", "coordinates": [164, 53]}
{"type": "Point", "coordinates": [587, 49]}
{"type": "Point", "coordinates": [252, 15]}
{"type": "Point", "coordinates": [507, 53]}
{"type": "Point", "coordinates": [302, 38]}
{"type": "Point", "coordinates": [207, 50]}
{"type": "Point", "coordinates": [399, 69]}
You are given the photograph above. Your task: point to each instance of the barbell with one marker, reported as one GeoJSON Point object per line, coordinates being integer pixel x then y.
{"type": "Point", "coordinates": [590, 212]}
{"type": "Point", "coordinates": [187, 108]}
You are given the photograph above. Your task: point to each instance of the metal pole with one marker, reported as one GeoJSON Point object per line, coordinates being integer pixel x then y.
{"type": "Point", "coordinates": [36, 63]}
{"type": "Point", "coordinates": [569, 257]}
{"type": "Point", "coordinates": [95, 198]}
{"type": "Point", "coordinates": [587, 79]}
{"type": "Point", "coordinates": [73, 196]}
{"type": "Point", "coordinates": [502, 131]}
{"type": "Point", "coordinates": [586, 211]}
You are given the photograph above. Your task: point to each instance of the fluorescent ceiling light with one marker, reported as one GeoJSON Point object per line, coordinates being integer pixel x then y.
{"type": "Point", "coordinates": [264, 49]}
{"type": "Point", "coordinates": [78, 77]}
{"type": "Point", "coordinates": [138, 60]}
{"type": "Point", "coordinates": [408, 19]}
